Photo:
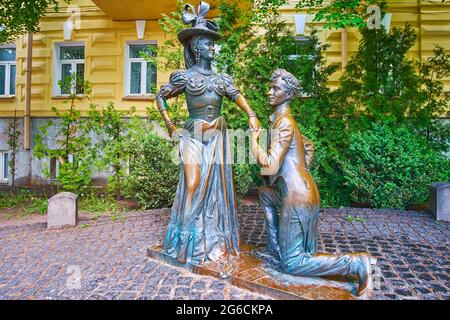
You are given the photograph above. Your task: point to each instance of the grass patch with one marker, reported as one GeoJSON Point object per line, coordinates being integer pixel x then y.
{"type": "Point", "coordinates": [98, 204]}
{"type": "Point", "coordinates": [9, 199]}
{"type": "Point", "coordinates": [37, 205]}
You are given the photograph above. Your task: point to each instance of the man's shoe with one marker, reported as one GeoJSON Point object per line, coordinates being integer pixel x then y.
{"type": "Point", "coordinates": [365, 273]}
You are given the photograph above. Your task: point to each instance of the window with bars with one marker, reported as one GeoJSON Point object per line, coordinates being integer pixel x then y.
{"type": "Point", "coordinates": [140, 75]}
{"type": "Point", "coordinates": [303, 48]}
{"type": "Point", "coordinates": [69, 69]}
{"type": "Point", "coordinates": [300, 53]}
{"type": "Point", "coordinates": [7, 71]}
{"type": "Point", "coordinates": [4, 165]}
{"type": "Point", "coordinates": [54, 166]}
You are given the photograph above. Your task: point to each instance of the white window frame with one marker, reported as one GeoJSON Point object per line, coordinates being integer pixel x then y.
{"type": "Point", "coordinates": [8, 65]}
{"type": "Point", "coordinates": [53, 178]}
{"type": "Point", "coordinates": [4, 179]}
{"type": "Point", "coordinates": [57, 163]}
{"type": "Point", "coordinates": [293, 57]}
{"type": "Point", "coordinates": [128, 62]}
{"type": "Point", "coordinates": [58, 63]}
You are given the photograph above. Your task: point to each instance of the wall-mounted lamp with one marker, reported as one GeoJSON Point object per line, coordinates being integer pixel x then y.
{"type": "Point", "coordinates": [300, 22]}
{"type": "Point", "coordinates": [140, 28]}
{"type": "Point", "coordinates": [386, 22]}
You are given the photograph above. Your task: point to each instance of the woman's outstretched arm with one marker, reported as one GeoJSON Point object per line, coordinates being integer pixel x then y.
{"type": "Point", "coordinates": [162, 108]}
{"type": "Point", "coordinates": [253, 121]}
{"type": "Point", "coordinates": [173, 88]}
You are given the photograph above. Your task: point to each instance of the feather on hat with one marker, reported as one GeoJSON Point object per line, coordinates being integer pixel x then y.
{"type": "Point", "coordinates": [200, 25]}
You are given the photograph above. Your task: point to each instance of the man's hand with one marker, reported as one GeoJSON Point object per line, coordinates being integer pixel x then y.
{"type": "Point", "coordinates": [255, 135]}
{"type": "Point", "coordinates": [254, 123]}
{"type": "Point", "coordinates": [254, 142]}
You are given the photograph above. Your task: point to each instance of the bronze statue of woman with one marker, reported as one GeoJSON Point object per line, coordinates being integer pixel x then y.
{"type": "Point", "coordinates": [203, 222]}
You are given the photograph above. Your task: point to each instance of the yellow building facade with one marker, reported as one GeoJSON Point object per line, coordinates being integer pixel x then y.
{"type": "Point", "coordinates": [99, 38]}
{"type": "Point", "coordinates": [105, 29]}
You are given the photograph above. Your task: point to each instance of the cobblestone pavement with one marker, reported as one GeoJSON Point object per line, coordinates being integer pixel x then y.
{"type": "Point", "coordinates": [412, 251]}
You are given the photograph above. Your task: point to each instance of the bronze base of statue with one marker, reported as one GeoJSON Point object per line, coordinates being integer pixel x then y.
{"type": "Point", "coordinates": [253, 271]}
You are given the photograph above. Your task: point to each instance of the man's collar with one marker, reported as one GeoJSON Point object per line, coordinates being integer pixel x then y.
{"type": "Point", "coordinates": [279, 112]}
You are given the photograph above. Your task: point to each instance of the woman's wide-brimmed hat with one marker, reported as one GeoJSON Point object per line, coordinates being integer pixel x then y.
{"type": "Point", "coordinates": [199, 24]}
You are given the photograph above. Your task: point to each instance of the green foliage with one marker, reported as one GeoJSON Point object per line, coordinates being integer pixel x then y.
{"type": "Point", "coordinates": [98, 204]}
{"type": "Point", "coordinates": [169, 58]}
{"type": "Point", "coordinates": [73, 145]}
{"type": "Point", "coordinates": [380, 82]}
{"type": "Point", "coordinates": [251, 57]}
{"type": "Point", "coordinates": [436, 99]}
{"type": "Point", "coordinates": [38, 205]}
{"type": "Point", "coordinates": [242, 178]}
{"type": "Point", "coordinates": [9, 199]}
{"type": "Point", "coordinates": [13, 134]}
{"type": "Point", "coordinates": [20, 16]}
{"type": "Point", "coordinates": [153, 175]}
{"type": "Point", "coordinates": [392, 167]}
{"type": "Point", "coordinates": [118, 130]}
{"type": "Point", "coordinates": [351, 218]}
{"type": "Point", "coordinates": [339, 14]}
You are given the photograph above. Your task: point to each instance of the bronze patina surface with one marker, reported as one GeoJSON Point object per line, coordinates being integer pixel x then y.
{"type": "Point", "coordinates": [203, 224]}
{"type": "Point", "coordinates": [290, 198]}
{"type": "Point", "coordinates": [254, 273]}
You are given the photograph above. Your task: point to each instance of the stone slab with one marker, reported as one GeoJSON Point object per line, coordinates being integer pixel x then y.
{"type": "Point", "coordinates": [62, 210]}
{"type": "Point", "coordinates": [439, 202]}
{"type": "Point", "coordinates": [250, 272]}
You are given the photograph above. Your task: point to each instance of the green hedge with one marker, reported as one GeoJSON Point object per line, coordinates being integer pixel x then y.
{"type": "Point", "coordinates": [392, 167]}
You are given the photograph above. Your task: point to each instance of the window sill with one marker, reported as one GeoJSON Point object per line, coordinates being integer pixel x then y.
{"type": "Point", "coordinates": [66, 97]}
{"type": "Point", "coordinates": [150, 97]}
{"type": "Point", "coordinates": [7, 97]}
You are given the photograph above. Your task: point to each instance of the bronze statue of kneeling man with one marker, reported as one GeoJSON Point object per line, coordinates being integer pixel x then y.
{"type": "Point", "coordinates": [291, 199]}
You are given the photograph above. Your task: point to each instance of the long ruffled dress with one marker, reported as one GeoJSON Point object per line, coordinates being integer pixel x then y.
{"type": "Point", "coordinates": [203, 222]}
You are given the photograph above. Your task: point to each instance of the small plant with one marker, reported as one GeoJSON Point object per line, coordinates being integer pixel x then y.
{"type": "Point", "coordinates": [84, 226]}
{"type": "Point", "coordinates": [351, 218]}
{"type": "Point", "coordinates": [117, 216]}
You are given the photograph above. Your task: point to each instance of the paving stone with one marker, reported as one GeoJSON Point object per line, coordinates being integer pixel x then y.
{"type": "Point", "coordinates": [111, 257]}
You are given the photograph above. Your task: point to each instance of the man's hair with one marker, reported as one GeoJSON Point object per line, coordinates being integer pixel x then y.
{"type": "Point", "coordinates": [291, 83]}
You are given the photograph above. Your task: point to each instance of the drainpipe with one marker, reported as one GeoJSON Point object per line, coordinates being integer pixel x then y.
{"type": "Point", "coordinates": [27, 113]}
{"type": "Point", "coordinates": [344, 48]}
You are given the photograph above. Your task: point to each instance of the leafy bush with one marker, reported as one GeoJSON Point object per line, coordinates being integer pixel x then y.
{"type": "Point", "coordinates": [153, 175]}
{"type": "Point", "coordinates": [73, 144]}
{"type": "Point", "coordinates": [392, 167]}
{"type": "Point", "coordinates": [243, 177]}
